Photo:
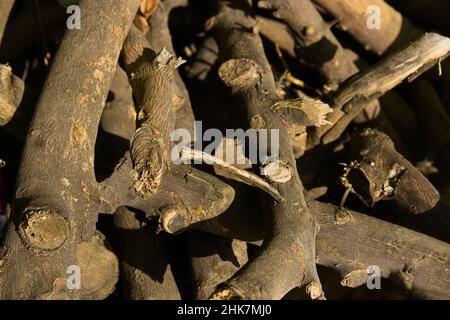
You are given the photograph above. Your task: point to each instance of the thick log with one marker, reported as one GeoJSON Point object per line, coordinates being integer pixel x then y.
{"type": "Point", "coordinates": [55, 211]}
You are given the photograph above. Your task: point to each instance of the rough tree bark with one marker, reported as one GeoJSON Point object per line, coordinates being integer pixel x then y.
{"type": "Point", "coordinates": [59, 195]}
{"type": "Point", "coordinates": [431, 13]}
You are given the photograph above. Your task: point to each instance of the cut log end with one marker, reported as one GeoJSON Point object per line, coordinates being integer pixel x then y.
{"type": "Point", "coordinates": [43, 229]}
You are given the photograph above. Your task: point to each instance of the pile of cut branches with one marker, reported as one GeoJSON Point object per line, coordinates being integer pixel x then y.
{"type": "Point", "coordinates": [224, 149]}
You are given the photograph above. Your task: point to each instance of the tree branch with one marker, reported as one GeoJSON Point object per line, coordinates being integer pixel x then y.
{"type": "Point", "coordinates": [276, 269]}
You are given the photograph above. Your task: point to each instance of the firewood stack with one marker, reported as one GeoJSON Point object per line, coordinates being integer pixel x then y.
{"type": "Point", "coordinates": [224, 149]}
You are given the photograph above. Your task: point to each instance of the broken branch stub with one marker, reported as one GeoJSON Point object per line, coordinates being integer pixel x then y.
{"type": "Point", "coordinates": [381, 173]}
{"type": "Point", "coordinates": [152, 79]}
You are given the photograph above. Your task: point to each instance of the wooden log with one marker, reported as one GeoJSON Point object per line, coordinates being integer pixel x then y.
{"type": "Point", "coordinates": [381, 173]}
{"type": "Point", "coordinates": [394, 31]}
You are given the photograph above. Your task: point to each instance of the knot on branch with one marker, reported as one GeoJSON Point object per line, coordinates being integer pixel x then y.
{"type": "Point", "coordinates": [43, 229]}
{"type": "Point", "coordinates": [148, 155]}
{"type": "Point", "coordinates": [239, 73]}
{"type": "Point", "coordinates": [278, 171]}
{"type": "Point", "coordinates": [258, 122]}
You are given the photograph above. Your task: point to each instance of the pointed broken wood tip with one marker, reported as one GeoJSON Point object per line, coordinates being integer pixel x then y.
{"type": "Point", "coordinates": [304, 111]}
{"type": "Point", "coordinates": [165, 58]}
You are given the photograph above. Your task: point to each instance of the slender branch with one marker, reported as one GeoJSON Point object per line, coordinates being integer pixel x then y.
{"type": "Point", "coordinates": [374, 82]}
